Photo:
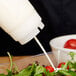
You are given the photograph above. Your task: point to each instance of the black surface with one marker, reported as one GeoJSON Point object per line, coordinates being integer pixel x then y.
{"type": "Point", "coordinates": [59, 17]}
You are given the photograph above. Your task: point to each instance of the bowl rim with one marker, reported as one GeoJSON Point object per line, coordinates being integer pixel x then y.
{"type": "Point", "coordinates": [62, 48]}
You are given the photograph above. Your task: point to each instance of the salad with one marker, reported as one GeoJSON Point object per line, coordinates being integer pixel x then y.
{"type": "Point", "coordinates": [65, 69]}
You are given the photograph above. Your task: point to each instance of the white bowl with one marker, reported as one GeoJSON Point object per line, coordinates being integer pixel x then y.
{"type": "Point", "coordinates": [57, 45]}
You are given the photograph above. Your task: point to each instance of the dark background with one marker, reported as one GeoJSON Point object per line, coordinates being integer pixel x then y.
{"type": "Point", "coordinates": [59, 17]}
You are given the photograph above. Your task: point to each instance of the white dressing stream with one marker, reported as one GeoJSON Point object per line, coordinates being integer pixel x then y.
{"type": "Point", "coordinates": [45, 53]}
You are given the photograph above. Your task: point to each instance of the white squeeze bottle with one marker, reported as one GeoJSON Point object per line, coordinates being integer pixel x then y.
{"type": "Point", "coordinates": [21, 21]}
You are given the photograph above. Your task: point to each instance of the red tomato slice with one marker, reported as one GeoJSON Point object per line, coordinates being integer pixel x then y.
{"type": "Point", "coordinates": [61, 64]}
{"type": "Point", "coordinates": [49, 68]}
{"type": "Point", "coordinates": [70, 44]}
